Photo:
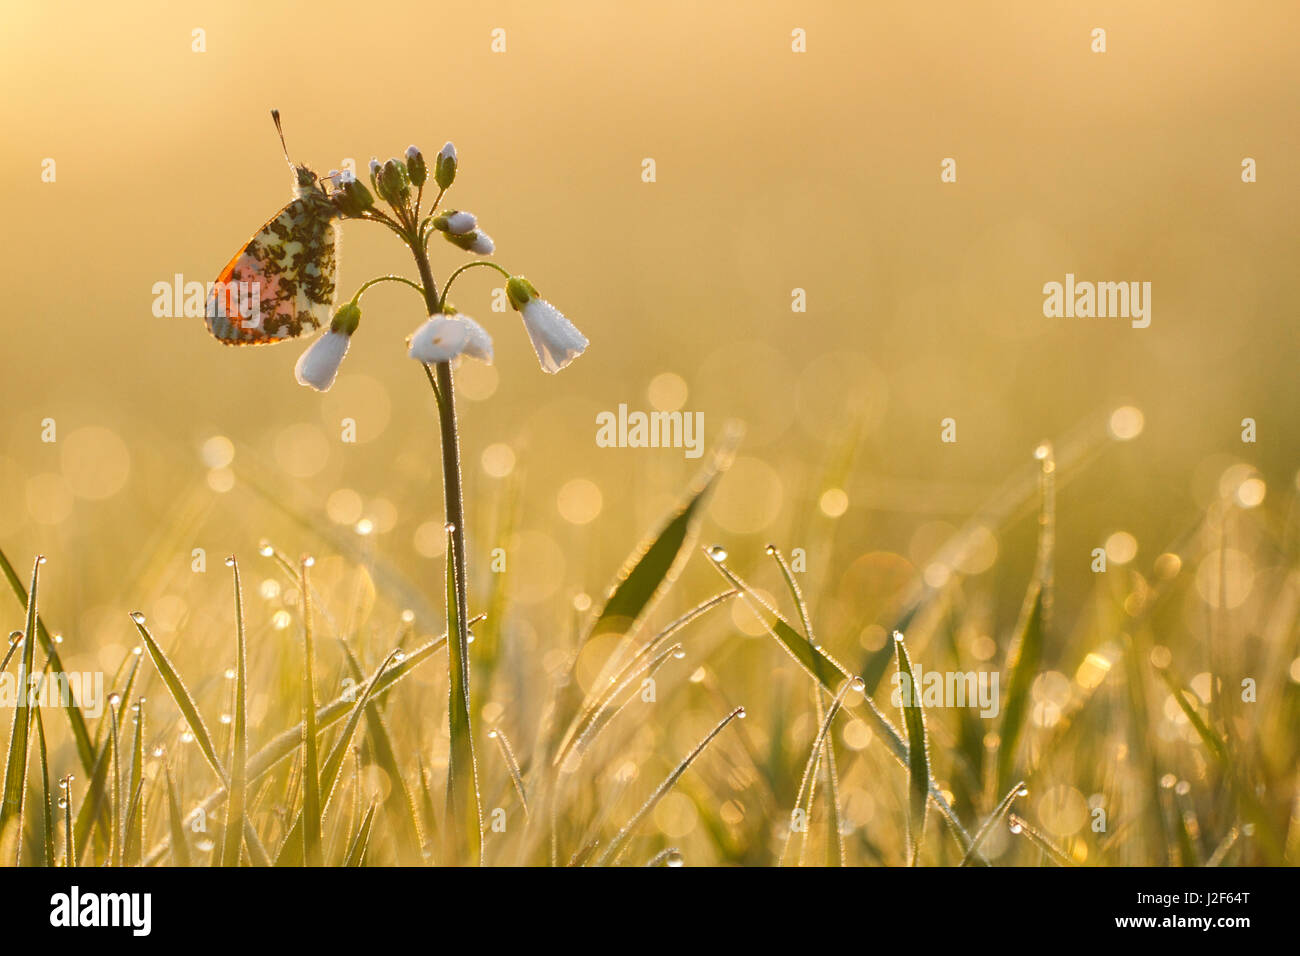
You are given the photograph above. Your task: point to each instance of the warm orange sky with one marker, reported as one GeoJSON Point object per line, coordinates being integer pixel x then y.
{"type": "Point", "coordinates": [775, 170]}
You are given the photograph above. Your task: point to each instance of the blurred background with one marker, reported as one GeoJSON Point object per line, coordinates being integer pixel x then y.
{"type": "Point", "coordinates": [775, 171]}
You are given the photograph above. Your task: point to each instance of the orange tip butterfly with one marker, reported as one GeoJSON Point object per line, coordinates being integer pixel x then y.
{"type": "Point", "coordinates": [280, 285]}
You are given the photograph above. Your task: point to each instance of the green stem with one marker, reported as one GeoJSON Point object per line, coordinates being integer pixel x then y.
{"type": "Point", "coordinates": [379, 279]}
{"type": "Point", "coordinates": [442, 303]}
{"type": "Point", "coordinates": [462, 775]}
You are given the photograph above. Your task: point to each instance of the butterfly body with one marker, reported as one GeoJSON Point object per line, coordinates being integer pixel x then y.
{"type": "Point", "coordinates": [280, 285]}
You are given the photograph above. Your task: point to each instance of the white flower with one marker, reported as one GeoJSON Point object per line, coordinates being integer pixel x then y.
{"type": "Point", "coordinates": [556, 340]}
{"type": "Point", "coordinates": [444, 337]}
{"type": "Point", "coordinates": [478, 344]}
{"type": "Point", "coordinates": [320, 363]}
{"type": "Point", "coordinates": [347, 176]}
{"type": "Point", "coordinates": [459, 223]}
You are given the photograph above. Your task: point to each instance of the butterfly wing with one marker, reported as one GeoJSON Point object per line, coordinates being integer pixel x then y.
{"type": "Point", "coordinates": [281, 284]}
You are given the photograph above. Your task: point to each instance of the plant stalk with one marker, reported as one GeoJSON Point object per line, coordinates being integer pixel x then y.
{"type": "Point", "coordinates": [462, 774]}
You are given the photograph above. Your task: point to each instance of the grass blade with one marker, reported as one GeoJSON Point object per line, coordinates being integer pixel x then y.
{"type": "Point", "coordinates": [1023, 662]}
{"type": "Point", "coordinates": [180, 842]}
{"type": "Point", "coordinates": [463, 834]}
{"type": "Point", "coordinates": [76, 720]}
{"type": "Point", "coordinates": [311, 807]}
{"type": "Point", "coordinates": [15, 788]}
{"type": "Point", "coordinates": [239, 747]}
{"type": "Point", "coordinates": [47, 807]}
{"type": "Point", "coordinates": [918, 753]}
{"type": "Point", "coordinates": [361, 842]}
{"type": "Point", "coordinates": [291, 851]}
{"type": "Point", "coordinates": [181, 695]}
{"type": "Point", "coordinates": [616, 844]}
{"type": "Point", "coordinates": [999, 813]}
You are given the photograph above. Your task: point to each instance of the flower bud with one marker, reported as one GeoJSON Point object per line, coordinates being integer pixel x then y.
{"type": "Point", "coordinates": [455, 222]}
{"type": "Point", "coordinates": [394, 186]}
{"type": "Point", "coordinates": [352, 199]}
{"type": "Point", "coordinates": [374, 173]}
{"type": "Point", "coordinates": [346, 319]}
{"type": "Point", "coordinates": [444, 166]}
{"type": "Point", "coordinates": [415, 167]}
{"type": "Point", "coordinates": [477, 242]}
{"type": "Point", "coordinates": [520, 291]}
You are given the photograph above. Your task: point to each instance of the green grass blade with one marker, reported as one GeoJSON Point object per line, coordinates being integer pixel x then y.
{"type": "Point", "coordinates": [69, 834]}
{"type": "Point", "coordinates": [620, 838]}
{"type": "Point", "coordinates": [918, 753]}
{"type": "Point", "coordinates": [133, 843]}
{"type": "Point", "coordinates": [357, 850]}
{"type": "Point", "coordinates": [1024, 660]}
{"type": "Point", "coordinates": [47, 807]}
{"type": "Point", "coordinates": [176, 822]}
{"type": "Point", "coordinates": [181, 695]}
{"type": "Point", "coordinates": [398, 805]}
{"type": "Point", "coordinates": [16, 766]}
{"type": "Point", "coordinates": [76, 720]}
{"type": "Point", "coordinates": [1054, 853]}
{"type": "Point", "coordinates": [239, 747]}
{"type": "Point", "coordinates": [997, 816]}
{"type": "Point", "coordinates": [311, 806]}
{"type": "Point", "coordinates": [290, 741]}
{"type": "Point", "coordinates": [820, 746]}
{"type": "Point", "coordinates": [657, 562]}
{"type": "Point", "coordinates": [463, 832]}
{"type": "Point", "coordinates": [291, 851]}
{"type": "Point", "coordinates": [815, 661]}
{"type": "Point", "coordinates": [15, 787]}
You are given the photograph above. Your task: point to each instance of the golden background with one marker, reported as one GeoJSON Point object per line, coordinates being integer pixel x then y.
{"type": "Point", "coordinates": [775, 171]}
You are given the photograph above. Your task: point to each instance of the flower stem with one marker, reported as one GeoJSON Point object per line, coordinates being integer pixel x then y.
{"type": "Point", "coordinates": [463, 804]}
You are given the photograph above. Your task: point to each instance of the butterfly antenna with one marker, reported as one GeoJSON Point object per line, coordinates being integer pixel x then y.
{"type": "Point", "coordinates": [275, 117]}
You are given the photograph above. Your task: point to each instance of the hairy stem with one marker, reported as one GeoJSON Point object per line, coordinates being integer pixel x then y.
{"type": "Point", "coordinates": [462, 775]}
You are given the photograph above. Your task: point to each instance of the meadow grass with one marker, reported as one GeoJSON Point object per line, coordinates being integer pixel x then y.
{"type": "Point", "coordinates": [762, 750]}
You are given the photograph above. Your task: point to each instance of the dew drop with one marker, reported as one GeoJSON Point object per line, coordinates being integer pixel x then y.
{"type": "Point", "coordinates": [898, 636]}
{"type": "Point", "coordinates": [718, 553]}
{"type": "Point", "coordinates": [770, 549]}
{"type": "Point", "coordinates": [1016, 828]}
{"type": "Point", "coordinates": [740, 713]}
{"type": "Point", "coordinates": [230, 561]}
{"type": "Point", "coordinates": [679, 652]}
{"type": "Point", "coordinates": [449, 527]}
{"type": "Point", "coordinates": [264, 548]}
{"type": "Point", "coordinates": [138, 617]}
{"type": "Point", "coordinates": [399, 657]}
{"type": "Point", "coordinates": [857, 685]}
{"type": "Point", "coordinates": [1022, 792]}
{"type": "Point", "coordinates": [230, 673]}
{"type": "Point", "coordinates": [40, 559]}
{"type": "Point", "coordinates": [114, 699]}
{"type": "Point", "coordinates": [63, 803]}
{"type": "Point", "coordinates": [408, 616]}
{"type": "Point", "coordinates": [674, 859]}
{"type": "Point", "coordinates": [308, 561]}
{"type": "Point", "coordinates": [492, 735]}
{"type": "Point", "coordinates": [137, 650]}
{"type": "Point", "coordinates": [15, 637]}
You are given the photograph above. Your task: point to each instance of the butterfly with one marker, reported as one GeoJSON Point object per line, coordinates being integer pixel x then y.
{"type": "Point", "coordinates": [280, 285]}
